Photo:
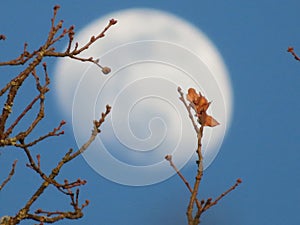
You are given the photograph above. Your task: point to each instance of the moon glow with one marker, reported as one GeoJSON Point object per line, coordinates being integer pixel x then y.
{"type": "Point", "coordinates": [150, 53]}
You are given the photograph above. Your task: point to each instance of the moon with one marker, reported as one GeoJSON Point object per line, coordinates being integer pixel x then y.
{"type": "Point", "coordinates": [150, 53]}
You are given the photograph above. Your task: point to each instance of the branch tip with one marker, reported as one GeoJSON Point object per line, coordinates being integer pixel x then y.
{"type": "Point", "coordinates": [10, 175]}
{"type": "Point", "coordinates": [112, 22]}
{"type": "Point", "coordinates": [2, 37]}
{"type": "Point", "coordinates": [106, 70]}
{"type": "Point", "coordinates": [56, 7]}
{"type": "Point", "coordinates": [168, 157]}
{"type": "Point", "coordinates": [291, 50]}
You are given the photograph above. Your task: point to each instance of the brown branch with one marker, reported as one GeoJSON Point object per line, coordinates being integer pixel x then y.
{"type": "Point", "coordinates": [76, 183]}
{"type": "Point", "coordinates": [41, 112]}
{"type": "Point", "coordinates": [66, 215]}
{"type": "Point", "coordinates": [33, 165]}
{"type": "Point", "coordinates": [41, 96]}
{"type": "Point", "coordinates": [95, 131]}
{"type": "Point", "coordinates": [13, 89]}
{"type": "Point", "coordinates": [93, 38]}
{"type": "Point", "coordinates": [291, 50]}
{"type": "Point", "coordinates": [24, 212]}
{"type": "Point", "coordinates": [20, 60]}
{"type": "Point", "coordinates": [33, 60]}
{"type": "Point", "coordinates": [18, 119]}
{"type": "Point", "coordinates": [199, 104]}
{"type": "Point", "coordinates": [52, 133]}
{"type": "Point", "coordinates": [197, 180]}
{"type": "Point", "coordinates": [2, 37]}
{"type": "Point", "coordinates": [37, 56]}
{"type": "Point", "coordinates": [11, 173]}
{"type": "Point", "coordinates": [52, 217]}
{"type": "Point", "coordinates": [49, 214]}
{"type": "Point", "coordinates": [73, 54]}
{"type": "Point", "coordinates": [210, 203]}
{"type": "Point", "coordinates": [37, 168]}
{"type": "Point", "coordinates": [169, 158]}
{"type": "Point", "coordinates": [188, 107]}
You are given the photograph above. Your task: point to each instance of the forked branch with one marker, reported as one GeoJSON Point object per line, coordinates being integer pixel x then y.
{"type": "Point", "coordinates": [34, 59]}
{"type": "Point", "coordinates": [199, 104]}
{"type": "Point", "coordinates": [13, 135]}
{"type": "Point", "coordinates": [65, 188]}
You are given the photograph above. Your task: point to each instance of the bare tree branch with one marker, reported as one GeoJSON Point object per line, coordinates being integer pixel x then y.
{"type": "Point", "coordinates": [188, 108]}
{"type": "Point", "coordinates": [291, 50]}
{"type": "Point", "coordinates": [13, 135]}
{"type": "Point", "coordinates": [36, 57]}
{"type": "Point", "coordinates": [50, 179]}
{"type": "Point", "coordinates": [199, 104]}
{"type": "Point", "coordinates": [187, 184]}
{"type": "Point", "coordinates": [10, 175]}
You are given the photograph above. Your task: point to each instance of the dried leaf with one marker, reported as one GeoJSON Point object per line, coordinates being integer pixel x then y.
{"type": "Point", "coordinates": [192, 96]}
{"type": "Point", "coordinates": [210, 121]}
{"type": "Point", "coordinates": [200, 102]}
{"type": "Point", "coordinates": [200, 105]}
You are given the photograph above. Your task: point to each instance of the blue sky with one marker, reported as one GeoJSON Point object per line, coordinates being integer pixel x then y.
{"type": "Point", "coordinates": [261, 147]}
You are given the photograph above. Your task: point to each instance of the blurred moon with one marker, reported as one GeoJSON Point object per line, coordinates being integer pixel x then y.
{"type": "Point", "coordinates": [150, 53]}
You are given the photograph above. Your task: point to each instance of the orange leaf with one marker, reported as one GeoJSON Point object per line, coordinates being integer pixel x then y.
{"type": "Point", "coordinates": [200, 106]}
{"type": "Point", "coordinates": [210, 121]}
{"type": "Point", "coordinates": [203, 105]}
{"type": "Point", "coordinates": [192, 96]}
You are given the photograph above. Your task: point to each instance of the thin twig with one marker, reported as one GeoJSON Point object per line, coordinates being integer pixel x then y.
{"type": "Point", "coordinates": [34, 59]}
{"type": "Point", "coordinates": [73, 54]}
{"type": "Point", "coordinates": [237, 183]}
{"type": "Point", "coordinates": [188, 107]}
{"type": "Point", "coordinates": [169, 158]}
{"type": "Point", "coordinates": [200, 104]}
{"type": "Point", "coordinates": [11, 173]}
{"type": "Point", "coordinates": [53, 133]}
{"type": "Point", "coordinates": [24, 57]}
{"type": "Point", "coordinates": [291, 50]}
{"type": "Point", "coordinates": [37, 56]}
{"type": "Point", "coordinates": [197, 178]}
{"type": "Point", "coordinates": [24, 212]}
